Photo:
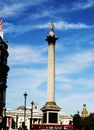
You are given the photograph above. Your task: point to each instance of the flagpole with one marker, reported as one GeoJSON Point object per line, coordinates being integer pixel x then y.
{"type": "Point", "coordinates": [1, 24]}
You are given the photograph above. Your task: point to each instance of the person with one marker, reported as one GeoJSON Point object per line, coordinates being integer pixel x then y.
{"type": "Point", "coordinates": [20, 128]}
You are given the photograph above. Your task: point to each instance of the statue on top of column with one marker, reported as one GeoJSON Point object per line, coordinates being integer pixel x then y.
{"type": "Point", "coordinates": [51, 33]}
{"type": "Point", "coordinates": [52, 26]}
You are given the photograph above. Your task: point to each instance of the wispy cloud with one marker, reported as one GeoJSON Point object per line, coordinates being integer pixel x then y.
{"type": "Point", "coordinates": [13, 10]}
{"type": "Point", "coordinates": [76, 62]}
{"type": "Point", "coordinates": [17, 7]}
{"type": "Point", "coordinates": [71, 64]}
{"type": "Point", "coordinates": [61, 25]}
{"type": "Point", "coordinates": [78, 5]}
{"type": "Point", "coordinates": [64, 25]}
{"type": "Point", "coordinates": [76, 101]}
{"type": "Point", "coordinates": [25, 54]}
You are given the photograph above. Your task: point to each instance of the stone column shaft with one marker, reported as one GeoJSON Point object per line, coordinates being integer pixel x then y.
{"type": "Point", "coordinates": [51, 73]}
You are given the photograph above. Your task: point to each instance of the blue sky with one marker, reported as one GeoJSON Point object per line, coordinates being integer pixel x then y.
{"type": "Point", "coordinates": [25, 25]}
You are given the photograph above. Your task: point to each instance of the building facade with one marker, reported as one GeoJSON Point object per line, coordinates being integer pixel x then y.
{"type": "Point", "coordinates": [3, 79]}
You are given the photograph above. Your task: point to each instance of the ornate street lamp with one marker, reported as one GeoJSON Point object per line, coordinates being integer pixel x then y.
{"type": "Point", "coordinates": [25, 96]}
{"type": "Point", "coordinates": [32, 103]}
{"type": "Point", "coordinates": [16, 121]}
{"type": "Point", "coordinates": [4, 119]}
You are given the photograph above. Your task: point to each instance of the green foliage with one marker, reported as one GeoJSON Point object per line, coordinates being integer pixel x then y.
{"type": "Point", "coordinates": [83, 123]}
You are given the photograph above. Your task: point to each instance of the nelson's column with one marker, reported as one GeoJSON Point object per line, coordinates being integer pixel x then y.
{"type": "Point", "coordinates": [50, 109]}
{"type": "Point", "coordinates": [3, 77]}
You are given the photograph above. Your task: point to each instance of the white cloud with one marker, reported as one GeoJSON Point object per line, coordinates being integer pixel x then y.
{"type": "Point", "coordinates": [17, 7]}
{"type": "Point", "coordinates": [75, 63]}
{"type": "Point", "coordinates": [16, 29]}
{"type": "Point", "coordinates": [76, 101]}
{"type": "Point", "coordinates": [39, 14]}
{"type": "Point", "coordinates": [72, 72]}
{"type": "Point", "coordinates": [85, 83]}
{"type": "Point", "coordinates": [13, 10]}
{"type": "Point", "coordinates": [82, 4]}
{"type": "Point", "coordinates": [70, 64]}
{"type": "Point", "coordinates": [25, 54]}
{"type": "Point", "coordinates": [61, 25]}
{"type": "Point", "coordinates": [65, 25]}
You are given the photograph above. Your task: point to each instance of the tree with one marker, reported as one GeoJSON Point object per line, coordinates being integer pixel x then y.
{"type": "Point", "coordinates": [83, 123]}
{"type": "Point", "coordinates": [76, 121]}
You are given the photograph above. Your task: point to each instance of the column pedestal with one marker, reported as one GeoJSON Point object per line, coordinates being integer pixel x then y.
{"type": "Point", "coordinates": [50, 112]}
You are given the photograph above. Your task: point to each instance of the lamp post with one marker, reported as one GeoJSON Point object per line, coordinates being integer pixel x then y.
{"type": "Point", "coordinates": [25, 96]}
{"type": "Point", "coordinates": [4, 119]}
{"type": "Point", "coordinates": [16, 121]}
{"type": "Point", "coordinates": [32, 103]}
